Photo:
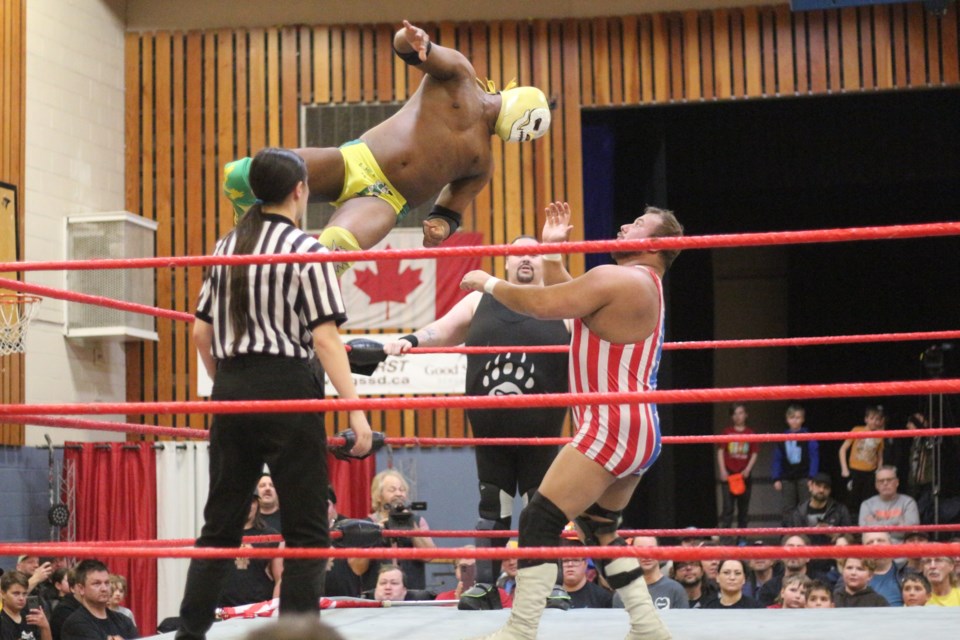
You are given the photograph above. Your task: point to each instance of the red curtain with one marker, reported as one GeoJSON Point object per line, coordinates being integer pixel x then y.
{"type": "Point", "coordinates": [117, 500]}
{"type": "Point", "coordinates": [351, 481]}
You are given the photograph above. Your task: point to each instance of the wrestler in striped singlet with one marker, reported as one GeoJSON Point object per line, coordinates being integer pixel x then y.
{"type": "Point", "coordinates": [624, 438]}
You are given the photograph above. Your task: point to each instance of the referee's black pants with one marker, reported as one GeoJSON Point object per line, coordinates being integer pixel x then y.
{"type": "Point", "coordinates": [294, 447]}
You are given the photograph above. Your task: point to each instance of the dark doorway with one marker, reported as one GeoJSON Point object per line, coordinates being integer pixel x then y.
{"type": "Point", "coordinates": [784, 164]}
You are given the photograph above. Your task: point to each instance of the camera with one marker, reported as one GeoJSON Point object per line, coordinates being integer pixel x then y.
{"type": "Point", "coordinates": [400, 516]}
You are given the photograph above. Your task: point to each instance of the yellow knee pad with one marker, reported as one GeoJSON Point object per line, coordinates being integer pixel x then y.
{"type": "Point", "coordinates": [339, 239]}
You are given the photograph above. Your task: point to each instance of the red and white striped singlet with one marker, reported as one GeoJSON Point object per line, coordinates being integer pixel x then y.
{"type": "Point", "coordinates": [624, 438]}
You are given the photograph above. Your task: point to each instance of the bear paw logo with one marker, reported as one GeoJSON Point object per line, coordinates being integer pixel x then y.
{"type": "Point", "coordinates": [507, 376]}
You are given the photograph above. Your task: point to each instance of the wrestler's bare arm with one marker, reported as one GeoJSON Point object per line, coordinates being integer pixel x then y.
{"type": "Point", "coordinates": [442, 63]}
{"type": "Point", "coordinates": [614, 301]}
{"type": "Point", "coordinates": [577, 298]}
{"type": "Point", "coordinates": [455, 196]}
{"type": "Point", "coordinates": [448, 331]}
{"type": "Point", "coordinates": [458, 195]}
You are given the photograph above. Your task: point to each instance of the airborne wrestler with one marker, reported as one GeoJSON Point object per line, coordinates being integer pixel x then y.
{"type": "Point", "coordinates": [438, 142]}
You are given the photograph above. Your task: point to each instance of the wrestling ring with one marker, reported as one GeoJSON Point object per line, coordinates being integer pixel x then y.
{"type": "Point", "coordinates": [362, 620]}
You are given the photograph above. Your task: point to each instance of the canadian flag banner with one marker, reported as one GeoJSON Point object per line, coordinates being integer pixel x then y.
{"type": "Point", "coordinates": [405, 294]}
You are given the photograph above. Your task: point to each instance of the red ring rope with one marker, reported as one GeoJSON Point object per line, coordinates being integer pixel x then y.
{"type": "Point", "coordinates": [61, 294]}
{"type": "Point", "coordinates": [891, 232]}
{"type": "Point", "coordinates": [690, 532]}
{"type": "Point", "coordinates": [926, 549]}
{"type": "Point", "coordinates": [721, 344]}
{"type": "Point", "coordinates": [670, 396]}
{"type": "Point", "coordinates": [202, 434]}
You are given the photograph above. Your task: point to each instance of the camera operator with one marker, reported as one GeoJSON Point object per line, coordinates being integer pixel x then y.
{"type": "Point", "coordinates": [389, 494]}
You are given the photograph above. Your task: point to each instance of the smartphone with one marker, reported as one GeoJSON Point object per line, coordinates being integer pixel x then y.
{"type": "Point", "coordinates": [33, 602]}
{"type": "Point", "coordinates": [468, 575]}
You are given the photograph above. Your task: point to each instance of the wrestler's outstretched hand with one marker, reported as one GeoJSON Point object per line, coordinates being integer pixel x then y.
{"type": "Point", "coordinates": [474, 280]}
{"type": "Point", "coordinates": [557, 226]}
{"type": "Point", "coordinates": [417, 38]}
{"type": "Point", "coordinates": [397, 347]}
{"type": "Point", "coordinates": [435, 231]}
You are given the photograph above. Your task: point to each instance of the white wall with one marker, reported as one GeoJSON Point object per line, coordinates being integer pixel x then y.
{"type": "Point", "coordinates": [74, 164]}
{"type": "Point", "coordinates": [148, 15]}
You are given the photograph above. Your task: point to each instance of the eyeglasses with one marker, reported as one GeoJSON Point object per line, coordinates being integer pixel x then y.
{"type": "Point", "coordinates": [885, 480]}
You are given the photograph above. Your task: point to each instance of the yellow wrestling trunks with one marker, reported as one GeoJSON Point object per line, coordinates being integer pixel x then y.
{"type": "Point", "coordinates": [362, 176]}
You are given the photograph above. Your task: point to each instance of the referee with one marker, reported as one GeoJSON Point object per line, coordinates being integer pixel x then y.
{"type": "Point", "coordinates": [256, 328]}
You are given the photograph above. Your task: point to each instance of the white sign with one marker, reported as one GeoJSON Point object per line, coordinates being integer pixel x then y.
{"type": "Point", "coordinates": [410, 374]}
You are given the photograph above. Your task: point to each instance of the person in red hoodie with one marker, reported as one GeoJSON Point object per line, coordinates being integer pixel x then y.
{"type": "Point", "coordinates": [736, 458]}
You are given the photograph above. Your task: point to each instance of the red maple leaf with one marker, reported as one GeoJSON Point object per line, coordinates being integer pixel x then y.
{"type": "Point", "coordinates": [388, 284]}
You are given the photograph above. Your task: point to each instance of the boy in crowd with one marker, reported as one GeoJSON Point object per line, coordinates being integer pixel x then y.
{"type": "Point", "coordinates": [819, 595]}
{"type": "Point", "coordinates": [794, 461]}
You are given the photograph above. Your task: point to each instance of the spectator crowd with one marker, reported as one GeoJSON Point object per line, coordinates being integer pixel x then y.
{"type": "Point", "coordinates": [43, 599]}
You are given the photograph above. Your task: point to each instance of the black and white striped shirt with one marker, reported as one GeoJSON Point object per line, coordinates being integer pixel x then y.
{"type": "Point", "coordinates": [286, 300]}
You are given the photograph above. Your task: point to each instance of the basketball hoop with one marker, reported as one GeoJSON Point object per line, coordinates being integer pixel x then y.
{"type": "Point", "coordinates": [16, 312]}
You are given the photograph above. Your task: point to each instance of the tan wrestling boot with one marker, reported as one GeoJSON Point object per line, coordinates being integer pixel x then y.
{"type": "Point", "coordinates": [534, 584]}
{"type": "Point", "coordinates": [645, 623]}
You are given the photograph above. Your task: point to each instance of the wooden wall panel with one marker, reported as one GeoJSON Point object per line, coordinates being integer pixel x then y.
{"type": "Point", "coordinates": [206, 98]}
{"type": "Point", "coordinates": [13, 57]}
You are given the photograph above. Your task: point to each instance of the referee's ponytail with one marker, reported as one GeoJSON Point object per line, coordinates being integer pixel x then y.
{"type": "Point", "coordinates": [274, 174]}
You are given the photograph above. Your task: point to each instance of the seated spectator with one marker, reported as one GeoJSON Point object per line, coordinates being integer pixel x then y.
{"type": "Point", "coordinates": [269, 503]}
{"type": "Point", "coordinates": [46, 589]}
{"type": "Point", "coordinates": [508, 568]}
{"type": "Point", "coordinates": [889, 508]}
{"type": "Point", "coordinates": [793, 593]}
{"type": "Point", "coordinates": [943, 582]}
{"type": "Point", "coordinates": [68, 604]}
{"type": "Point", "coordinates": [689, 573]}
{"type": "Point", "coordinates": [665, 592]}
{"type": "Point", "coordinates": [36, 571]}
{"type": "Point", "coordinates": [731, 576]}
{"type": "Point", "coordinates": [761, 571]}
{"type": "Point", "coordinates": [692, 540]}
{"type": "Point", "coordinates": [583, 593]}
{"type": "Point", "coordinates": [710, 567]}
{"type": "Point", "coordinates": [915, 590]}
{"type": "Point", "coordinates": [819, 595]}
{"type": "Point", "coordinates": [768, 593]}
{"type": "Point", "coordinates": [956, 560]}
{"type": "Point", "coordinates": [350, 577]}
{"type": "Point", "coordinates": [389, 494]}
{"type": "Point", "coordinates": [833, 576]}
{"type": "Point", "coordinates": [118, 591]}
{"type": "Point", "coordinates": [465, 570]}
{"type": "Point", "coordinates": [295, 627]}
{"type": "Point", "coordinates": [61, 584]}
{"type": "Point", "coordinates": [94, 619]}
{"type": "Point", "coordinates": [794, 461]}
{"type": "Point", "coordinates": [391, 584]}
{"type": "Point", "coordinates": [15, 623]}
{"type": "Point", "coordinates": [884, 580]}
{"type": "Point", "coordinates": [333, 517]}
{"type": "Point", "coordinates": [253, 579]}
{"type": "Point", "coordinates": [912, 565]}
{"type": "Point", "coordinates": [856, 591]}
{"type": "Point", "coordinates": [820, 509]}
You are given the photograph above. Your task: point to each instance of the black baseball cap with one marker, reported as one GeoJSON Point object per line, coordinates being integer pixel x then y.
{"type": "Point", "coordinates": [823, 478]}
